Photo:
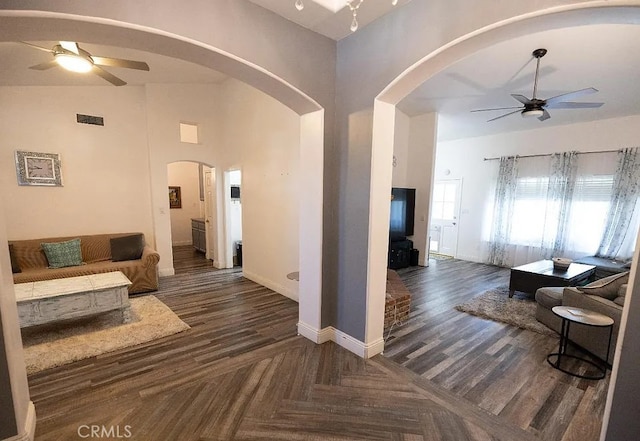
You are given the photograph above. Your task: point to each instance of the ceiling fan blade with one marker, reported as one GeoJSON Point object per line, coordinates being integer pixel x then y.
{"type": "Point", "coordinates": [44, 66]}
{"type": "Point", "coordinates": [523, 99]}
{"type": "Point", "coordinates": [545, 115]}
{"type": "Point", "coordinates": [108, 76]}
{"type": "Point", "coordinates": [572, 105]}
{"type": "Point", "coordinates": [71, 46]}
{"type": "Point", "coordinates": [117, 62]}
{"type": "Point", "coordinates": [502, 116]}
{"type": "Point", "coordinates": [497, 108]}
{"type": "Point", "coordinates": [571, 95]}
{"type": "Point", "coordinates": [37, 47]}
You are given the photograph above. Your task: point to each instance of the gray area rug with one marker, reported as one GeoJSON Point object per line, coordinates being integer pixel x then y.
{"type": "Point", "coordinates": [54, 345]}
{"type": "Point", "coordinates": [496, 305]}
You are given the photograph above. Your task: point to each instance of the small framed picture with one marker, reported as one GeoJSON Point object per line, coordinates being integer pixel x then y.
{"type": "Point", "coordinates": [175, 198]}
{"type": "Point", "coordinates": [33, 168]}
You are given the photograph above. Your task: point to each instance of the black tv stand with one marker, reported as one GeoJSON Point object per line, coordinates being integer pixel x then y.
{"type": "Point", "coordinates": [399, 253]}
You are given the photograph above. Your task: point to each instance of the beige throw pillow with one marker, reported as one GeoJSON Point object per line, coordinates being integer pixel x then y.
{"type": "Point", "coordinates": [622, 291]}
{"type": "Point", "coordinates": [607, 287]}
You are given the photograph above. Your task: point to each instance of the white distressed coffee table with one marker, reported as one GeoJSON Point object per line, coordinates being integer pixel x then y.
{"type": "Point", "coordinates": [73, 297]}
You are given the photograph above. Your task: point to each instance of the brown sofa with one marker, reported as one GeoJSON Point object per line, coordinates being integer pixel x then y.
{"type": "Point", "coordinates": [96, 255]}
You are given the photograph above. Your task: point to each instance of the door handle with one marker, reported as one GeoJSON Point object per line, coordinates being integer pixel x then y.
{"type": "Point", "coordinates": [207, 221]}
{"type": "Point", "coordinates": [451, 223]}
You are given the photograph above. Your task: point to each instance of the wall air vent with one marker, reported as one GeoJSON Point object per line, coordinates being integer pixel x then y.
{"type": "Point", "coordinates": [88, 119]}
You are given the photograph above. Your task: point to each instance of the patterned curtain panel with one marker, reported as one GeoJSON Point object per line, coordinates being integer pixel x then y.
{"type": "Point", "coordinates": [562, 181]}
{"type": "Point", "coordinates": [503, 211]}
{"type": "Point", "coordinates": [624, 199]}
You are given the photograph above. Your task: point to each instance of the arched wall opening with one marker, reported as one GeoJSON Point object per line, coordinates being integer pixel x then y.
{"type": "Point", "coordinates": [37, 25]}
{"type": "Point", "coordinates": [384, 121]}
{"type": "Point", "coordinates": [192, 208]}
{"type": "Point", "coordinates": [33, 26]}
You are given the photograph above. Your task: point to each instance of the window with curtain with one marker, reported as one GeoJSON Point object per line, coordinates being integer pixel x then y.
{"type": "Point", "coordinates": [565, 205]}
{"type": "Point", "coordinates": [534, 212]}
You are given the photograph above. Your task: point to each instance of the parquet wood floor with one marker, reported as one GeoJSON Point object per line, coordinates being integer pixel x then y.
{"type": "Point", "coordinates": [500, 368]}
{"type": "Point", "coordinates": [242, 373]}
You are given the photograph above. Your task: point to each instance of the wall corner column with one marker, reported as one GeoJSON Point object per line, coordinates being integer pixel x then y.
{"type": "Point", "coordinates": [311, 227]}
{"type": "Point", "coordinates": [384, 117]}
{"type": "Point", "coordinates": [17, 412]}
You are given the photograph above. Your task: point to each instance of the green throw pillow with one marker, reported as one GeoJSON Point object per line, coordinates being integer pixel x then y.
{"type": "Point", "coordinates": [63, 254]}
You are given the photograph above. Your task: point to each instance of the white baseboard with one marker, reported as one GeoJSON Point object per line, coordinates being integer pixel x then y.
{"type": "Point", "coordinates": [165, 272]}
{"type": "Point", "coordinates": [469, 258]}
{"type": "Point", "coordinates": [364, 350]}
{"type": "Point", "coordinates": [181, 243]}
{"type": "Point", "coordinates": [28, 432]}
{"type": "Point", "coordinates": [280, 289]}
{"type": "Point", "coordinates": [318, 336]}
{"type": "Point", "coordinates": [348, 342]}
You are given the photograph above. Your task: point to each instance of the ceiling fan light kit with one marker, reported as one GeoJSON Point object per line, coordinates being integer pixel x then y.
{"type": "Point", "coordinates": [533, 113]}
{"type": "Point", "coordinates": [537, 108]}
{"type": "Point", "coordinates": [71, 57]}
{"type": "Point", "coordinates": [74, 63]}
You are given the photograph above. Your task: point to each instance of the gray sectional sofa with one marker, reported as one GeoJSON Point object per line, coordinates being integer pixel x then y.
{"type": "Point", "coordinates": [592, 339]}
{"type": "Point", "coordinates": [603, 296]}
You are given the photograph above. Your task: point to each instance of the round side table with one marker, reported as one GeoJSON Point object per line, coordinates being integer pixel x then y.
{"type": "Point", "coordinates": [570, 314]}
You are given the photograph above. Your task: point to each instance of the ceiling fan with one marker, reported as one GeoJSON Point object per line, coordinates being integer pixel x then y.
{"type": "Point", "coordinates": [70, 56]}
{"type": "Point", "coordinates": [536, 107]}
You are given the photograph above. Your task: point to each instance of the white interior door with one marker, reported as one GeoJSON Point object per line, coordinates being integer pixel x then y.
{"type": "Point", "coordinates": [445, 212]}
{"type": "Point", "coordinates": [209, 204]}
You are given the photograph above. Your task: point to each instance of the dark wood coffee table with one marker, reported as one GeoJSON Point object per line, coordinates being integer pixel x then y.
{"type": "Point", "coordinates": [528, 278]}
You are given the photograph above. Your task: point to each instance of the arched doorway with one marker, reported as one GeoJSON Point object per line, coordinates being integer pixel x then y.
{"type": "Point", "coordinates": [34, 26]}
{"type": "Point", "coordinates": [383, 141]}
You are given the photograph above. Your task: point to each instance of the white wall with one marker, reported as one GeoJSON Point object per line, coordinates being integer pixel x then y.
{"type": "Point", "coordinates": [464, 158]}
{"type": "Point", "coordinates": [109, 172]}
{"type": "Point", "coordinates": [262, 139]}
{"type": "Point", "coordinates": [422, 148]}
{"type": "Point", "coordinates": [104, 169]}
{"type": "Point", "coordinates": [167, 106]}
{"type": "Point", "coordinates": [413, 150]}
{"type": "Point", "coordinates": [400, 173]}
{"type": "Point", "coordinates": [185, 175]}
{"type": "Point", "coordinates": [235, 215]}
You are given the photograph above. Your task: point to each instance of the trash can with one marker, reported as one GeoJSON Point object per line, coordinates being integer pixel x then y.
{"type": "Point", "coordinates": [239, 253]}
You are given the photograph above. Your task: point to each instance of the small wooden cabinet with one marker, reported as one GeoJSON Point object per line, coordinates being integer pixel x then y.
{"type": "Point", "coordinates": [199, 235]}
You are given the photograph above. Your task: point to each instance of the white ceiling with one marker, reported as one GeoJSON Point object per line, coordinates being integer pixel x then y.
{"type": "Point", "coordinates": [331, 24]}
{"type": "Point", "coordinates": [17, 57]}
{"type": "Point", "coordinates": [606, 57]}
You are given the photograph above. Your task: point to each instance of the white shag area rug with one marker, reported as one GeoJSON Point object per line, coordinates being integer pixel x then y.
{"type": "Point", "coordinates": [496, 305]}
{"type": "Point", "coordinates": [56, 344]}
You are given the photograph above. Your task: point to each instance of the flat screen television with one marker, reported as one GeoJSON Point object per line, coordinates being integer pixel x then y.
{"type": "Point", "coordinates": [403, 209]}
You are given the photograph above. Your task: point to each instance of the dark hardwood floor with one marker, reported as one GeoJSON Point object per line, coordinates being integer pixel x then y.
{"type": "Point", "coordinates": [242, 373]}
{"type": "Point", "coordinates": [187, 260]}
{"type": "Point", "coordinates": [500, 368]}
